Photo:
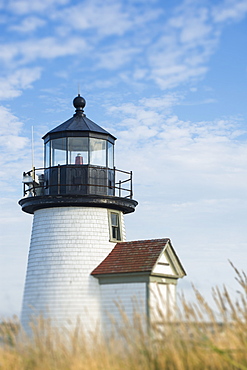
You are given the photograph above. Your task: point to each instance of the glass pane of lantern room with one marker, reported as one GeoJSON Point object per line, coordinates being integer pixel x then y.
{"type": "Point", "coordinates": [58, 152]}
{"type": "Point", "coordinates": [98, 152]}
{"type": "Point", "coordinates": [77, 150]}
{"type": "Point", "coordinates": [110, 155]}
{"type": "Point", "coordinates": [47, 154]}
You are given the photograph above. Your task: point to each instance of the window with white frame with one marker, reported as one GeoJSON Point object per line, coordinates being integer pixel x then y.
{"type": "Point", "coordinates": [115, 226]}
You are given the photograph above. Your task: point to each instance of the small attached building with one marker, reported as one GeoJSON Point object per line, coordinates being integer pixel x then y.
{"type": "Point", "coordinates": [139, 276]}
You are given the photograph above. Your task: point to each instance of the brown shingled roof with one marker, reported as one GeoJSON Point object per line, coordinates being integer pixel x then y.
{"type": "Point", "coordinates": [134, 256]}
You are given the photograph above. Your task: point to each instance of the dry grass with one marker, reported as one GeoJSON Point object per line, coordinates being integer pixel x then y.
{"type": "Point", "coordinates": [200, 340]}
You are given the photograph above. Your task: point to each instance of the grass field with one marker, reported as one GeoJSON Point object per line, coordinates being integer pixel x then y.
{"type": "Point", "coordinates": [201, 338]}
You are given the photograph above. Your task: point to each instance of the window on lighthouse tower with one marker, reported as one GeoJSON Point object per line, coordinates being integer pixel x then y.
{"type": "Point", "coordinates": [115, 226]}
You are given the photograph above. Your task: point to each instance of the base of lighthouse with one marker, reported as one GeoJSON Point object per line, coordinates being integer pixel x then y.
{"type": "Point", "coordinates": [67, 243]}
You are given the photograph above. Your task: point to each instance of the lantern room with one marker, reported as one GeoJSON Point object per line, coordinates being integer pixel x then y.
{"type": "Point", "coordinates": [78, 168]}
{"type": "Point", "coordinates": [79, 141]}
{"type": "Point", "coordinates": [79, 156]}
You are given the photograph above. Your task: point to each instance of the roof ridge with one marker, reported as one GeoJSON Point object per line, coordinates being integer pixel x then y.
{"type": "Point", "coordinates": [144, 240]}
{"type": "Point", "coordinates": [85, 121]}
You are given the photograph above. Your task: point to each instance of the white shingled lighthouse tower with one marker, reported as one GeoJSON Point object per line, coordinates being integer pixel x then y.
{"type": "Point", "coordinates": [79, 263]}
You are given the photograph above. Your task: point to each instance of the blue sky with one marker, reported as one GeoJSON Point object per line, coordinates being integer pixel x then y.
{"type": "Point", "coordinates": [168, 79]}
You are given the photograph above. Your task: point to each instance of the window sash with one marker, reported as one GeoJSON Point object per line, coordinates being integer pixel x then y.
{"type": "Point", "coordinates": [115, 226]}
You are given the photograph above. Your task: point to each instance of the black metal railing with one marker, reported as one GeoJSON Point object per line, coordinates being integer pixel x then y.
{"type": "Point", "coordinates": [77, 179]}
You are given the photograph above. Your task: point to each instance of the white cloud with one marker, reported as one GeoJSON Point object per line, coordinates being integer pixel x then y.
{"type": "Point", "coordinates": [35, 6]}
{"type": "Point", "coordinates": [9, 122]}
{"type": "Point", "coordinates": [12, 85]}
{"type": "Point", "coordinates": [148, 112]}
{"type": "Point", "coordinates": [111, 17]}
{"type": "Point", "coordinates": [229, 10]}
{"type": "Point", "coordinates": [155, 139]}
{"type": "Point", "coordinates": [136, 116]}
{"type": "Point", "coordinates": [28, 24]}
{"type": "Point", "coordinates": [107, 18]}
{"type": "Point", "coordinates": [182, 51]}
{"type": "Point", "coordinates": [189, 38]}
{"type": "Point", "coordinates": [116, 57]}
{"type": "Point", "coordinates": [50, 48]}
{"type": "Point", "coordinates": [177, 55]}
{"type": "Point", "coordinates": [8, 52]}
{"type": "Point", "coordinates": [13, 150]}
{"type": "Point", "coordinates": [45, 48]}
{"type": "Point", "coordinates": [15, 156]}
{"type": "Point", "coordinates": [162, 102]}
{"type": "Point", "coordinates": [140, 73]}
{"type": "Point", "coordinates": [193, 24]}
{"type": "Point", "coordinates": [11, 143]}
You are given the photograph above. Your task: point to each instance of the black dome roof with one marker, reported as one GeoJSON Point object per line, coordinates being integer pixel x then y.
{"type": "Point", "coordinates": [78, 125]}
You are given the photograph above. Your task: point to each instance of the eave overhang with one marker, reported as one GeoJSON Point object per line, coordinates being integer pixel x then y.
{"type": "Point", "coordinates": [31, 204]}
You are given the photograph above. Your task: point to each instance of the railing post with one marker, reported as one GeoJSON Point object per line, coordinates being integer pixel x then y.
{"type": "Point", "coordinates": [58, 179]}
{"type": "Point", "coordinates": [120, 188]}
{"type": "Point", "coordinates": [131, 189]}
{"type": "Point", "coordinates": [33, 172]}
{"type": "Point", "coordinates": [114, 177]}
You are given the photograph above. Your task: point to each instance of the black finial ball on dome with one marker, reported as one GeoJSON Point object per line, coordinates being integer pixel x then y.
{"type": "Point", "coordinates": [79, 103]}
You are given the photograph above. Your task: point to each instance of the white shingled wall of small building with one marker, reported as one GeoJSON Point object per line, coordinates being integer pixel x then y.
{"type": "Point", "coordinates": [119, 301]}
{"type": "Point", "coordinates": [162, 301]}
{"type": "Point", "coordinates": [122, 300]}
{"type": "Point", "coordinates": [67, 243]}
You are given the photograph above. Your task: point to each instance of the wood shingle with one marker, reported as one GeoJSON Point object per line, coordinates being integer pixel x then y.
{"type": "Point", "coordinates": [133, 256]}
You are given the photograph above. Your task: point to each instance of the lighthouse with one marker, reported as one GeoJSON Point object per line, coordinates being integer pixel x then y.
{"type": "Point", "coordinates": [79, 262]}
{"type": "Point", "coordinates": [78, 209]}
